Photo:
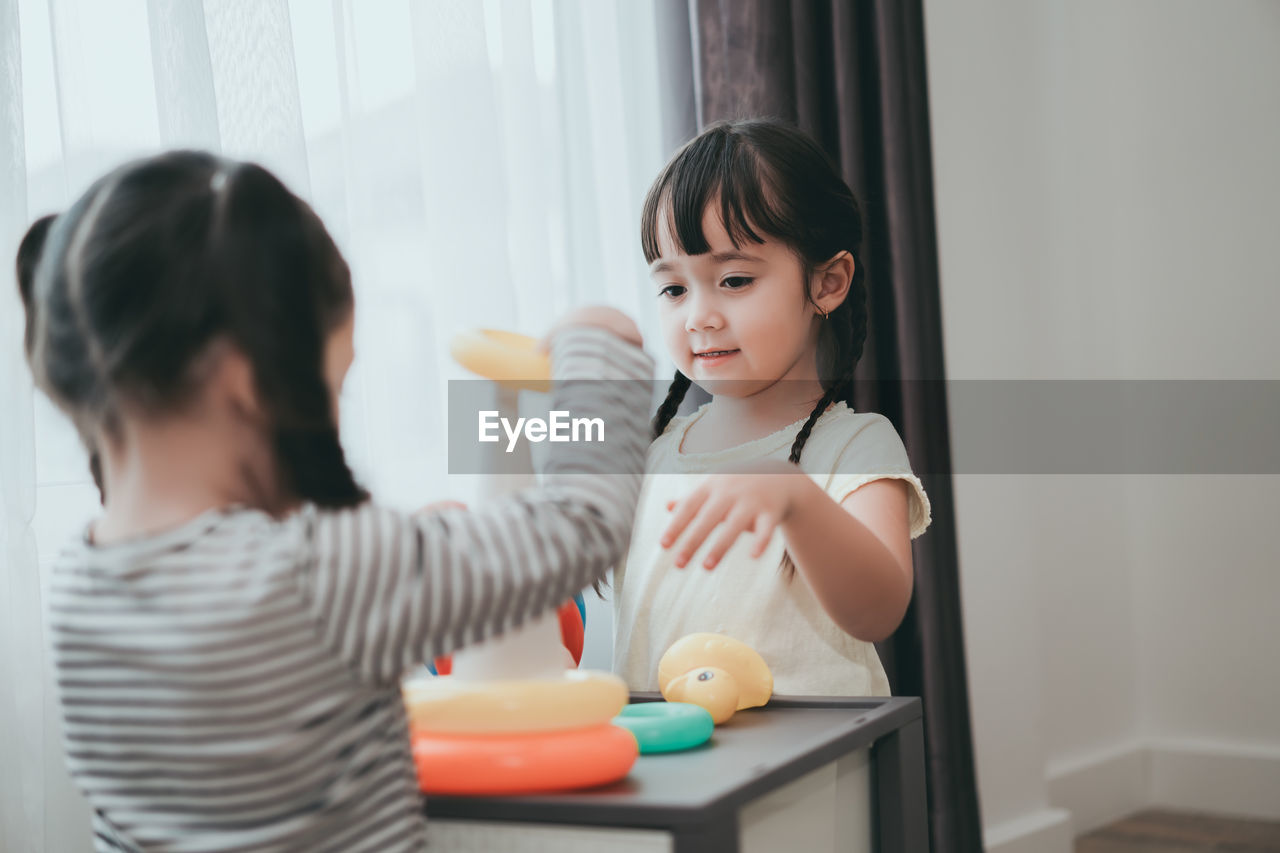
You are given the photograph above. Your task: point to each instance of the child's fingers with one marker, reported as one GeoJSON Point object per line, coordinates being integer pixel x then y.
{"type": "Point", "coordinates": [684, 514]}
{"type": "Point", "coordinates": [713, 512]}
{"type": "Point", "coordinates": [764, 526]}
{"type": "Point", "coordinates": [734, 526]}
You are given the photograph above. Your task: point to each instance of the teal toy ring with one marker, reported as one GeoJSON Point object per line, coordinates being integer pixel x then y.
{"type": "Point", "coordinates": [666, 726]}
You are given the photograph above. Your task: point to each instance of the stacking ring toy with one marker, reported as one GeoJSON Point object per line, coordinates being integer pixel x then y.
{"type": "Point", "coordinates": [523, 763]}
{"type": "Point", "coordinates": [578, 699]}
{"type": "Point", "coordinates": [507, 358]}
{"type": "Point", "coordinates": [573, 629]}
{"type": "Point", "coordinates": [666, 726]}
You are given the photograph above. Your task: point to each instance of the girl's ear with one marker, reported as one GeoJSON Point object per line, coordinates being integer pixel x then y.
{"type": "Point", "coordinates": [228, 374]}
{"type": "Point", "coordinates": [831, 282]}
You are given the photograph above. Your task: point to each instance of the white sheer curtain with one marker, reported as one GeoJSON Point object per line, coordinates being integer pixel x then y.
{"type": "Point", "coordinates": [481, 162]}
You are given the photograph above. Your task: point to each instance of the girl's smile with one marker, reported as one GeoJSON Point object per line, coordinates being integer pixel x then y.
{"type": "Point", "coordinates": [712, 358]}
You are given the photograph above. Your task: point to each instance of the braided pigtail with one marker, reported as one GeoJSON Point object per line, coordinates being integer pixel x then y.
{"type": "Point", "coordinates": [295, 279]}
{"type": "Point", "coordinates": [788, 566]}
{"type": "Point", "coordinates": [846, 330]}
{"type": "Point", "coordinates": [667, 411]}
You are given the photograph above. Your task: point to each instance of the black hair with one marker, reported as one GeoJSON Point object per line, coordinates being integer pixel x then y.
{"type": "Point", "coordinates": [29, 252]}
{"type": "Point", "coordinates": [28, 256]}
{"type": "Point", "coordinates": [164, 257]}
{"type": "Point", "coordinates": [769, 178]}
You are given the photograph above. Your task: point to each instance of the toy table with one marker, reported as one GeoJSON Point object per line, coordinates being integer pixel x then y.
{"type": "Point", "coordinates": [801, 775]}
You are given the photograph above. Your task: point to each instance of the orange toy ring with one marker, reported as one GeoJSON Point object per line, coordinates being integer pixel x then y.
{"type": "Point", "coordinates": [523, 763]}
{"type": "Point", "coordinates": [507, 358]}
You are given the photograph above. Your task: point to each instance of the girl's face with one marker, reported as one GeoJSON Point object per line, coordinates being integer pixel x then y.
{"type": "Point", "coordinates": [735, 320]}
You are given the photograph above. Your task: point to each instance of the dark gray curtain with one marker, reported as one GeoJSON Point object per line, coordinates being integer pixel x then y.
{"type": "Point", "coordinates": [852, 74]}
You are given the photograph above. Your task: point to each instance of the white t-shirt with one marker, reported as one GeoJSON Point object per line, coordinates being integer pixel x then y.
{"type": "Point", "coordinates": [748, 599]}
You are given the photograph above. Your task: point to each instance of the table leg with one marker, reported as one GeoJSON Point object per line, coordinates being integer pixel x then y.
{"type": "Point", "coordinates": [902, 803]}
{"type": "Point", "coordinates": [720, 836]}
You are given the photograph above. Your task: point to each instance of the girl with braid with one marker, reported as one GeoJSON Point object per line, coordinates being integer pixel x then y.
{"type": "Point", "coordinates": [775, 513]}
{"type": "Point", "coordinates": [228, 636]}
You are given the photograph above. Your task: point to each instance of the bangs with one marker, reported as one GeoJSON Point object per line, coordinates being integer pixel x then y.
{"type": "Point", "coordinates": [716, 167]}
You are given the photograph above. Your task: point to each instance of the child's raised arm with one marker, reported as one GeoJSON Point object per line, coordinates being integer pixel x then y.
{"type": "Point", "coordinates": [389, 590]}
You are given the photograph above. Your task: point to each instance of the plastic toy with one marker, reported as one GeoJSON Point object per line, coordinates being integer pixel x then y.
{"type": "Point", "coordinates": [510, 718]}
{"type": "Point", "coordinates": [523, 763]}
{"type": "Point", "coordinates": [716, 672]}
{"type": "Point", "coordinates": [576, 700]}
{"type": "Point", "coordinates": [518, 736]}
{"type": "Point", "coordinates": [666, 726]}
{"type": "Point", "coordinates": [573, 626]}
{"type": "Point", "coordinates": [572, 617]}
{"type": "Point", "coordinates": [515, 362]}
{"type": "Point", "coordinates": [508, 358]}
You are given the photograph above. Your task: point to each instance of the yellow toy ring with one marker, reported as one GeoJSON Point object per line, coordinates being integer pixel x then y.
{"type": "Point", "coordinates": [577, 700]}
{"type": "Point", "coordinates": [505, 357]}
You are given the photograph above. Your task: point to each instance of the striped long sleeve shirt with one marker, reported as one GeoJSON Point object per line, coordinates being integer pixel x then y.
{"type": "Point", "coordinates": [233, 683]}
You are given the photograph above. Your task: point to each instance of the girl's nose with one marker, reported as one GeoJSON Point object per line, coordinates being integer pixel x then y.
{"type": "Point", "coordinates": [703, 315]}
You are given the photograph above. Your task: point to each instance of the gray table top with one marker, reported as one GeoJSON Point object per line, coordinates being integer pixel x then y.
{"type": "Point", "coordinates": [757, 751]}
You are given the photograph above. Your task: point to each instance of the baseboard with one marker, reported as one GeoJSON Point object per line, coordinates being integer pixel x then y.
{"type": "Point", "coordinates": [1101, 788]}
{"type": "Point", "coordinates": [1174, 774]}
{"type": "Point", "coordinates": [1212, 777]}
{"type": "Point", "coordinates": [1045, 831]}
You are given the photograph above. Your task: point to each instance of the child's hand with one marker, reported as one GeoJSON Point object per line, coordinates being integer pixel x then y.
{"type": "Point", "coordinates": [600, 316]}
{"type": "Point", "coordinates": [755, 499]}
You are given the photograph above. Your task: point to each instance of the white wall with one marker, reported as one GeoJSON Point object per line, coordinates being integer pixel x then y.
{"type": "Point", "coordinates": [1107, 187]}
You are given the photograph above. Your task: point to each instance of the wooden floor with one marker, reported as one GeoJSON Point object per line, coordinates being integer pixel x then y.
{"type": "Point", "coordinates": [1179, 832]}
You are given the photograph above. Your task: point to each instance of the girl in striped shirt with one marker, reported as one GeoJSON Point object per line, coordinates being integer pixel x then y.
{"type": "Point", "coordinates": [228, 637]}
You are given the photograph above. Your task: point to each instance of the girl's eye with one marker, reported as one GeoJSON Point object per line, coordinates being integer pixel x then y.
{"type": "Point", "coordinates": [672, 291]}
{"type": "Point", "coordinates": [737, 282]}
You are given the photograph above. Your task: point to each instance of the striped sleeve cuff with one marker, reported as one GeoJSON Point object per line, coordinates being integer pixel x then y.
{"type": "Point", "coordinates": [587, 352]}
